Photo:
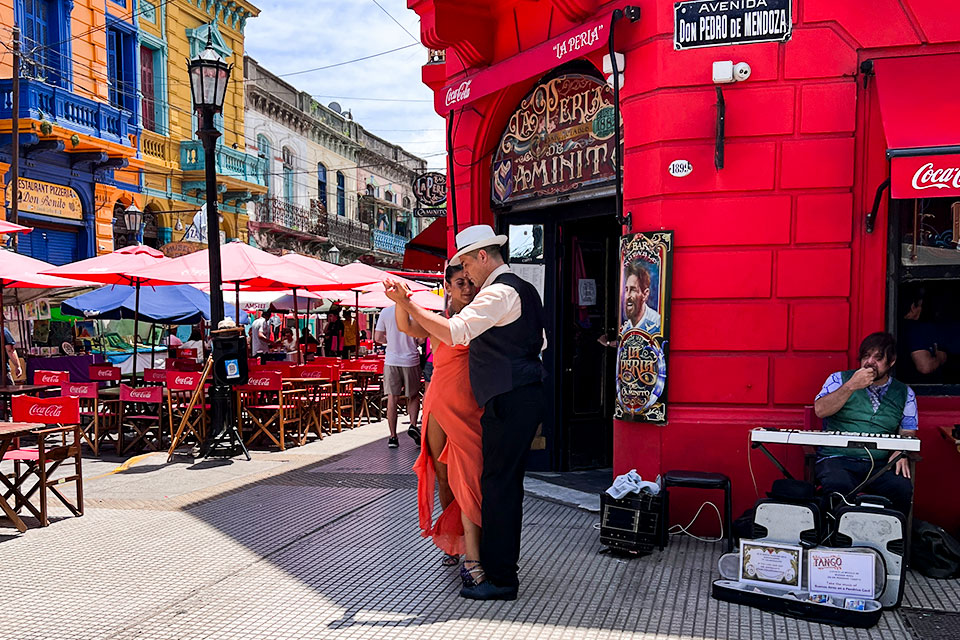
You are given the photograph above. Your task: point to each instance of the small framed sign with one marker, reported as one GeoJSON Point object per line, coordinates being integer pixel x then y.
{"type": "Point", "coordinates": [842, 573]}
{"type": "Point", "coordinates": [771, 565]}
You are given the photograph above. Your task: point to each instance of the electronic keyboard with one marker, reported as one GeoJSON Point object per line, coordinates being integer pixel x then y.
{"type": "Point", "coordinates": [883, 442]}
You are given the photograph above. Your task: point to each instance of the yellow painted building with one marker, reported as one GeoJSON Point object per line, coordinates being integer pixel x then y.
{"type": "Point", "coordinates": [78, 137]}
{"type": "Point", "coordinates": [173, 175]}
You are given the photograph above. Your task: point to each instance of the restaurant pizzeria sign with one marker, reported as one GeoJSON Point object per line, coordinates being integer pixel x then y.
{"type": "Point", "coordinates": [46, 199]}
{"type": "Point", "coordinates": [561, 138]}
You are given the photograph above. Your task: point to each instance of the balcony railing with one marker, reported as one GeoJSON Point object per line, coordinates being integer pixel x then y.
{"type": "Point", "coordinates": [159, 148]}
{"type": "Point", "coordinates": [39, 100]}
{"type": "Point", "coordinates": [390, 242]}
{"type": "Point", "coordinates": [230, 162]}
{"type": "Point", "coordinates": [290, 216]}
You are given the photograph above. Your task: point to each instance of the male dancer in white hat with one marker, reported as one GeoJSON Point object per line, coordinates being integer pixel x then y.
{"type": "Point", "coordinates": [504, 326]}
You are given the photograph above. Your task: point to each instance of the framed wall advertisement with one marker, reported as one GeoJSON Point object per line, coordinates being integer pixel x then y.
{"type": "Point", "coordinates": [646, 264]}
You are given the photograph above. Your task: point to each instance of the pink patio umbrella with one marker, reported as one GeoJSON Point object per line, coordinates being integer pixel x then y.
{"type": "Point", "coordinates": [9, 227]}
{"type": "Point", "coordinates": [20, 271]}
{"type": "Point", "coordinates": [379, 300]}
{"type": "Point", "coordinates": [115, 268]}
{"type": "Point", "coordinates": [241, 265]}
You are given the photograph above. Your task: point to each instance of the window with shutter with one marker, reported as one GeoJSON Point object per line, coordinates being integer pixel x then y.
{"type": "Point", "coordinates": [148, 105]}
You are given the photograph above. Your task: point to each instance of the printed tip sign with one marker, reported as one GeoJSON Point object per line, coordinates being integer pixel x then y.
{"type": "Point", "coordinates": [706, 23]}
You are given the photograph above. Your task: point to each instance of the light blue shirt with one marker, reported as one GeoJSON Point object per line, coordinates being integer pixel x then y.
{"type": "Point", "coordinates": [909, 420]}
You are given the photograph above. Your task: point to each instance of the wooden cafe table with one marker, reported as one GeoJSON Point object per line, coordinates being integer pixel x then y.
{"type": "Point", "coordinates": [312, 404]}
{"type": "Point", "coordinates": [7, 391]}
{"type": "Point", "coordinates": [9, 432]}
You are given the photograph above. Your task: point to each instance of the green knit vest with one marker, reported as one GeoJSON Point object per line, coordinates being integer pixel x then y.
{"type": "Point", "coordinates": [857, 416]}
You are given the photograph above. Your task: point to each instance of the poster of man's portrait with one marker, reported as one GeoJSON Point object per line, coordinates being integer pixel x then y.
{"type": "Point", "coordinates": [645, 269]}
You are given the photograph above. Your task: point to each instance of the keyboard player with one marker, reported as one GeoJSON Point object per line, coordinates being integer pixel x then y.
{"type": "Point", "coordinates": [867, 400]}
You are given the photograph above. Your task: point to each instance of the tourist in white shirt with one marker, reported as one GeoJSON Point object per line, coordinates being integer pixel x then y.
{"type": "Point", "coordinates": [401, 374]}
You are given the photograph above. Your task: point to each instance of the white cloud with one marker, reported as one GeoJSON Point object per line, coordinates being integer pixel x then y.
{"type": "Point", "coordinates": [293, 35]}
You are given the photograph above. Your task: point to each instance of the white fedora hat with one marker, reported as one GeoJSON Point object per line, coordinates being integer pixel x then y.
{"type": "Point", "coordinates": [476, 237]}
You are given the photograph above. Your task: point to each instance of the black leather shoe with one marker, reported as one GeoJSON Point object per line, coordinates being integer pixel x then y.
{"type": "Point", "coordinates": [486, 590]}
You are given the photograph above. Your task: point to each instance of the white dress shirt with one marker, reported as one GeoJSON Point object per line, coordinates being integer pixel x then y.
{"type": "Point", "coordinates": [496, 305]}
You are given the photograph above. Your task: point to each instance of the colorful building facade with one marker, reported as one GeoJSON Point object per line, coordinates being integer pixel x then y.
{"type": "Point", "coordinates": [173, 176]}
{"type": "Point", "coordinates": [788, 244]}
{"type": "Point", "coordinates": [78, 123]}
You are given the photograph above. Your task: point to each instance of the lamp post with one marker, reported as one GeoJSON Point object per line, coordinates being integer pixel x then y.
{"type": "Point", "coordinates": [209, 75]}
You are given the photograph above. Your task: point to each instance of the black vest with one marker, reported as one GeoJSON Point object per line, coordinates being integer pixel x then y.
{"type": "Point", "coordinates": [504, 358]}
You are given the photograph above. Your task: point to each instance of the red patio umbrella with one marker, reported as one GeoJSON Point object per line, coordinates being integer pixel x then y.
{"type": "Point", "coordinates": [347, 278]}
{"type": "Point", "coordinates": [9, 227]}
{"type": "Point", "coordinates": [379, 300]}
{"type": "Point", "coordinates": [115, 268]}
{"type": "Point", "coordinates": [20, 271]}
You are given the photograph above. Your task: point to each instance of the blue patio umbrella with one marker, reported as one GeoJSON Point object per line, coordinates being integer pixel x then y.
{"type": "Point", "coordinates": [178, 304]}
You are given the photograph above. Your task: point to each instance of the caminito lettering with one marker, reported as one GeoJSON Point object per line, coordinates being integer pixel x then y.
{"type": "Point", "coordinates": [571, 166]}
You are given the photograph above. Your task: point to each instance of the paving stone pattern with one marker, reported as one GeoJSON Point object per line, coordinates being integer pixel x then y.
{"type": "Point", "coordinates": [322, 543]}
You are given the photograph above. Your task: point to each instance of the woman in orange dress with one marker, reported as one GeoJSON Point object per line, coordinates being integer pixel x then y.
{"type": "Point", "coordinates": [453, 454]}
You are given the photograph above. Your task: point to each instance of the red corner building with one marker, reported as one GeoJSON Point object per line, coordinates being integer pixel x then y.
{"type": "Point", "coordinates": [837, 205]}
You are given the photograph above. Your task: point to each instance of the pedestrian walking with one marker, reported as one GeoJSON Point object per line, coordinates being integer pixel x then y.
{"type": "Point", "coordinates": [401, 374]}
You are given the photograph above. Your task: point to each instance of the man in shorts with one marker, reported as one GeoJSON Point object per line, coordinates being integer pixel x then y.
{"type": "Point", "coordinates": [401, 374]}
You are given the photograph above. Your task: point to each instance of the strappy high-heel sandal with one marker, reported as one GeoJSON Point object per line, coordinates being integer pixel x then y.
{"type": "Point", "coordinates": [450, 560]}
{"type": "Point", "coordinates": [471, 575]}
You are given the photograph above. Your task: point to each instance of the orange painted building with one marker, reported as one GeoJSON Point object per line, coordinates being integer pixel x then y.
{"type": "Point", "coordinates": [78, 123]}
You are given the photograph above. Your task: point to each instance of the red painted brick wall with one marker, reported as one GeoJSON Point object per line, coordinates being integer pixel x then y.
{"type": "Point", "coordinates": [775, 280]}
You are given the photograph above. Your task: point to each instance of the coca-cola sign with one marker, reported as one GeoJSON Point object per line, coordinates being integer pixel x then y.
{"type": "Point", "coordinates": [925, 176]}
{"type": "Point", "coordinates": [458, 93]}
{"type": "Point", "coordinates": [51, 377]}
{"type": "Point", "coordinates": [46, 411]}
{"type": "Point", "coordinates": [79, 389]}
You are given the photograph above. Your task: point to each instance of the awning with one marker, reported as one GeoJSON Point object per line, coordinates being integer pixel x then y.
{"type": "Point", "coordinates": [428, 250]}
{"type": "Point", "coordinates": [918, 98]}
{"type": "Point", "coordinates": [536, 61]}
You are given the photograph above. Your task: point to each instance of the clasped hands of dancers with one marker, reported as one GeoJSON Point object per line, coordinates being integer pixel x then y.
{"type": "Point", "coordinates": [481, 410]}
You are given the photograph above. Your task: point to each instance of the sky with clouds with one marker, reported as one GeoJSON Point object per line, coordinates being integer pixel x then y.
{"type": "Point", "coordinates": [293, 35]}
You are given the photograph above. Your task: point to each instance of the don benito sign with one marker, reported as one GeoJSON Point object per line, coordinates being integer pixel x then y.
{"type": "Point", "coordinates": [559, 140]}
{"type": "Point", "coordinates": [47, 199]}
{"type": "Point", "coordinates": [702, 23]}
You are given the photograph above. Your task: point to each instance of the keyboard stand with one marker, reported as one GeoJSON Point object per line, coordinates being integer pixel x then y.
{"type": "Point", "coordinates": [773, 459]}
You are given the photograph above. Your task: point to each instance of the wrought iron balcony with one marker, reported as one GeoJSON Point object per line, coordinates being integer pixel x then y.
{"type": "Point", "coordinates": [230, 162]}
{"type": "Point", "coordinates": [62, 107]}
{"type": "Point", "coordinates": [282, 215]}
{"type": "Point", "coordinates": [389, 242]}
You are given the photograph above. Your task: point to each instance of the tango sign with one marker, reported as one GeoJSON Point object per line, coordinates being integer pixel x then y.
{"type": "Point", "coordinates": [47, 199]}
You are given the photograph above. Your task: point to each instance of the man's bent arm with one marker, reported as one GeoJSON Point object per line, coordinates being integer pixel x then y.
{"type": "Point", "coordinates": [433, 323]}
{"type": "Point", "coordinates": [832, 402]}
{"type": "Point", "coordinates": [380, 337]}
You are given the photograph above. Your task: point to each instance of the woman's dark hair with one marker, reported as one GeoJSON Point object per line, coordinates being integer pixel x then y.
{"type": "Point", "coordinates": [451, 271]}
{"type": "Point", "coordinates": [196, 334]}
{"type": "Point", "coordinates": [880, 341]}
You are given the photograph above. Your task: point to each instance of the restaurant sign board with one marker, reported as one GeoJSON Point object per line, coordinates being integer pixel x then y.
{"type": "Point", "coordinates": [177, 249]}
{"type": "Point", "coordinates": [47, 199]}
{"type": "Point", "coordinates": [430, 189]}
{"type": "Point", "coordinates": [711, 23]}
{"type": "Point", "coordinates": [931, 176]}
{"type": "Point", "coordinates": [560, 139]}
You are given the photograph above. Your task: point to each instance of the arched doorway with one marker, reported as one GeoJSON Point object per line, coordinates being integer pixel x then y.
{"type": "Point", "coordinates": [124, 237]}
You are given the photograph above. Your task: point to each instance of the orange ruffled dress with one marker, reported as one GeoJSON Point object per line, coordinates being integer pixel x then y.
{"type": "Point", "coordinates": [450, 400]}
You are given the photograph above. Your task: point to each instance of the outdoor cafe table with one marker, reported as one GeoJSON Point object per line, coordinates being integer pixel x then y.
{"type": "Point", "coordinates": [312, 387]}
{"type": "Point", "coordinates": [10, 431]}
{"type": "Point", "coordinates": [7, 391]}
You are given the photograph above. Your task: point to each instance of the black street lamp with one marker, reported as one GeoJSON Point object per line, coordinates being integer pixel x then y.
{"type": "Point", "coordinates": [133, 220]}
{"type": "Point", "coordinates": [209, 75]}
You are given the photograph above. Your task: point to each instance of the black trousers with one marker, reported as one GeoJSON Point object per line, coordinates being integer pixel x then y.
{"type": "Point", "coordinates": [843, 474]}
{"type": "Point", "coordinates": [509, 422]}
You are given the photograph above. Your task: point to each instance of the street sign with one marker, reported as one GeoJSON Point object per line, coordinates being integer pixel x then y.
{"type": "Point", "coordinates": [711, 23]}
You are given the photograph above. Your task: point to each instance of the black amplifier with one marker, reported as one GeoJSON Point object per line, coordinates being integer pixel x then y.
{"type": "Point", "coordinates": [635, 524]}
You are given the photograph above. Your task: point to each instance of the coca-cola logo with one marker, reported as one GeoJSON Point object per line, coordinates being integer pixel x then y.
{"type": "Point", "coordinates": [313, 374]}
{"type": "Point", "coordinates": [929, 176]}
{"type": "Point", "coordinates": [458, 94]}
{"type": "Point", "coordinates": [142, 394]}
{"type": "Point", "coordinates": [368, 367]}
{"type": "Point", "coordinates": [183, 380]}
{"type": "Point", "coordinates": [51, 378]}
{"type": "Point", "coordinates": [77, 389]}
{"type": "Point", "coordinates": [45, 411]}
{"type": "Point", "coordinates": [259, 382]}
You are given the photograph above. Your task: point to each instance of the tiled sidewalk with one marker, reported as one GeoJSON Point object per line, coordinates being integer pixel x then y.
{"type": "Point", "coordinates": [321, 542]}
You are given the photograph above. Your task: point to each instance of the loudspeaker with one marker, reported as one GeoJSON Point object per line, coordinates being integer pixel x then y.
{"type": "Point", "coordinates": [230, 359]}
